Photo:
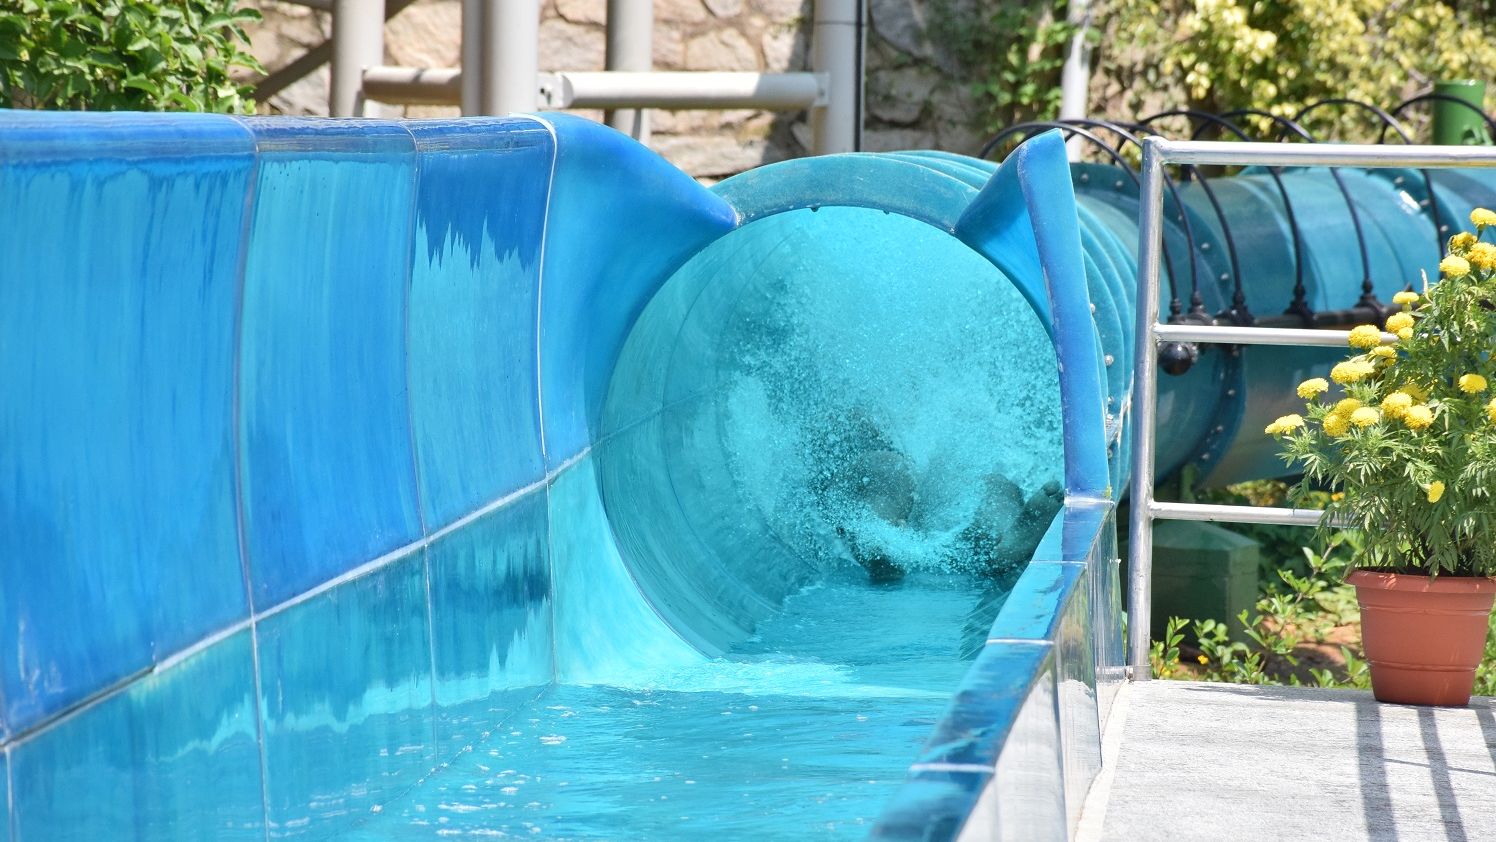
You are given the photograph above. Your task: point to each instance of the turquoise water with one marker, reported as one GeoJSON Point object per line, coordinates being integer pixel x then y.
{"type": "Point", "coordinates": [814, 390]}
{"type": "Point", "coordinates": [803, 731]}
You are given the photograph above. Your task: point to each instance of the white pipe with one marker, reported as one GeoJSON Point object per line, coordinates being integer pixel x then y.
{"type": "Point", "coordinates": [1238, 514]}
{"type": "Point", "coordinates": [1233, 335]}
{"type": "Point", "coordinates": [415, 85]}
{"type": "Point", "coordinates": [1075, 76]}
{"type": "Point", "coordinates": [622, 89]}
{"type": "Point", "coordinates": [357, 43]}
{"type": "Point", "coordinates": [511, 57]}
{"type": "Point", "coordinates": [834, 52]}
{"type": "Point", "coordinates": [630, 48]}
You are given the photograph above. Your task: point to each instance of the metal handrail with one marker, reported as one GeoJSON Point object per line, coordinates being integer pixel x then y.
{"type": "Point", "coordinates": [1158, 152]}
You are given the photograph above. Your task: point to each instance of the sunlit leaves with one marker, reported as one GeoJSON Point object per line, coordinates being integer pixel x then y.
{"type": "Point", "coordinates": [109, 55]}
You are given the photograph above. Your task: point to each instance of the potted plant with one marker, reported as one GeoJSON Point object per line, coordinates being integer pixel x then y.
{"type": "Point", "coordinates": [1405, 440]}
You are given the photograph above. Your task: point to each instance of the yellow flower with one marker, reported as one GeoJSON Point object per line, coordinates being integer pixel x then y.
{"type": "Point", "coordinates": [1491, 410]}
{"type": "Point", "coordinates": [1287, 423]}
{"type": "Point", "coordinates": [1418, 417]}
{"type": "Point", "coordinates": [1454, 266]}
{"type": "Point", "coordinates": [1313, 388]}
{"type": "Point", "coordinates": [1337, 496]}
{"type": "Point", "coordinates": [1395, 404]}
{"type": "Point", "coordinates": [1418, 392]}
{"type": "Point", "coordinates": [1345, 406]}
{"type": "Point", "coordinates": [1405, 334]}
{"type": "Point", "coordinates": [1398, 321]}
{"type": "Point", "coordinates": [1482, 256]}
{"type": "Point", "coordinates": [1436, 488]}
{"type": "Point", "coordinates": [1202, 659]}
{"type": "Point", "coordinates": [1383, 352]}
{"type": "Point", "coordinates": [1461, 241]}
{"type": "Point", "coordinates": [1481, 217]}
{"type": "Point", "coordinates": [1406, 298]}
{"type": "Point", "coordinates": [1351, 371]}
{"type": "Point", "coordinates": [1472, 384]}
{"type": "Point", "coordinates": [1365, 336]}
{"type": "Point", "coordinates": [1336, 426]}
{"type": "Point", "coordinates": [1365, 417]}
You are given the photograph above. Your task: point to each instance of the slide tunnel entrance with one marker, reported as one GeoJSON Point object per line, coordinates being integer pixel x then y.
{"type": "Point", "coordinates": [815, 389]}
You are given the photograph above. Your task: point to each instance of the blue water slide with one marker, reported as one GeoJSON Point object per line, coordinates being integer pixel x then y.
{"type": "Point", "coordinates": [375, 469]}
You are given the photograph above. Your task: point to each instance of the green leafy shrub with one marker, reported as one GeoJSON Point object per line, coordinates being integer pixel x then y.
{"type": "Point", "coordinates": [1012, 51]}
{"type": "Point", "coordinates": [1279, 57]}
{"type": "Point", "coordinates": [118, 55]}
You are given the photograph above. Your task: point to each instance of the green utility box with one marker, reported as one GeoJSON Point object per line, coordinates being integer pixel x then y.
{"type": "Point", "coordinates": [1459, 115]}
{"type": "Point", "coordinates": [1202, 571]}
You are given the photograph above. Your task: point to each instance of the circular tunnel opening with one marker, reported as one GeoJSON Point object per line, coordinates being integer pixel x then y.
{"type": "Point", "coordinates": [831, 395]}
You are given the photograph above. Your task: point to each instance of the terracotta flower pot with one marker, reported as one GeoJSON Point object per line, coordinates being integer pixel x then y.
{"type": "Point", "coordinates": [1423, 638]}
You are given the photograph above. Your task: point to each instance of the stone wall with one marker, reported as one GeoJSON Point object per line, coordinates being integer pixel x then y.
{"type": "Point", "coordinates": [914, 99]}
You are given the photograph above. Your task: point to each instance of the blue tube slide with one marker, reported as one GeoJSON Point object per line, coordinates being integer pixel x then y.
{"type": "Point", "coordinates": [494, 471]}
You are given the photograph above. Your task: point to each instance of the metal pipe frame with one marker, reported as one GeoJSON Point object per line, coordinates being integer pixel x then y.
{"type": "Point", "coordinates": [835, 41]}
{"type": "Point", "coordinates": [686, 89]}
{"type": "Point", "coordinates": [1235, 514]}
{"type": "Point", "coordinates": [613, 88]}
{"type": "Point", "coordinates": [630, 48]}
{"type": "Point", "coordinates": [1233, 335]}
{"type": "Point", "coordinates": [357, 44]}
{"type": "Point", "coordinates": [510, 52]}
{"type": "Point", "coordinates": [415, 85]}
{"type": "Point", "coordinates": [1157, 152]}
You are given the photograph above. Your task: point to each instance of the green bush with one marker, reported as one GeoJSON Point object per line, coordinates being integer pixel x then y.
{"type": "Point", "coordinates": [1218, 55]}
{"type": "Point", "coordinates": [122, 55]}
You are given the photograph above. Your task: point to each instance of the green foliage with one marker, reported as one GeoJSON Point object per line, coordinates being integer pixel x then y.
{"type": "Point", "coordinates": [1411, 447]}
{"type": "Point", "coordinates": [1012, 51]}
{"type": "Point", "coordinates": [1279, 57]}
{"type": "Point", "coordinates": [1294, 612]}
{"type": "Point", "coordinates": [113, 55]}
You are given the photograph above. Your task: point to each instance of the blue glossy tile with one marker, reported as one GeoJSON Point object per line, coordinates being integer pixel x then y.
{"type": "Point", "coordinates": [984, 711]}
{"type": "Point", "coordinates": [1076, 696]}
{"type": "Point", "coordinates": [346, 680]}
{"type": "Point", "coordinates": [329, 476]}
{"type": "Point", "coordinates": [117, 514]}
{"type": "Point", "coordinates": [475, 274]}
{"type": "Point", "coordinates": [491, 618]}
{"type": "Point", "coordinates": [5, 830]}
{"type": "Point", "coordinates": [174, 757]}
{"type": "Point", "coordinates": [935, 806]}
{"type": "Point", "coordinates": [1028, 788]}
{"type": "Point", "coordinates": [1036, 604]}
{"type": "Point", "coordinates": [621, 220]}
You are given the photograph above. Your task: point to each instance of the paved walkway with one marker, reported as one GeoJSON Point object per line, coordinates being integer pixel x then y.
{"type": "Point", "coordinates": [1192, 761]}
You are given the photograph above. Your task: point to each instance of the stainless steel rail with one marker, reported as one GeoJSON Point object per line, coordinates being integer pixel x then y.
{"type": "Point", "coordinates": [1158, 152]}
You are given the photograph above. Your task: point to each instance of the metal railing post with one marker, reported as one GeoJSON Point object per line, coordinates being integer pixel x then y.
{"type": "Point", "coordinates": [357, 44]}
{"type": "Point", "coordinates": [1156, 153]}
{"type": "Point", "coordinates": [630, 47]}
{"type": "Point", "coordinates": [1145, 399]}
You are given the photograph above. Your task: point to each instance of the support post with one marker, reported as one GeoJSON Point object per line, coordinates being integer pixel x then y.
{"type": "Point", "coordinates": [836, 51]}
{"type": "Point", "coordinates": [630, 47]}
{"type": "Point", "coordinates": [510, 81]}
{"type": "Point", "coordinates": [472, 55]}
{"type": "Point", "coordinates": [1075, 76]}
{"type": "Point", "coordinates": [357, 43]}
{"type": "Point", "coordinates": [1144, 403]}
